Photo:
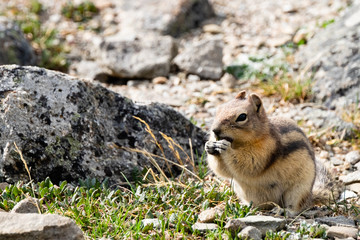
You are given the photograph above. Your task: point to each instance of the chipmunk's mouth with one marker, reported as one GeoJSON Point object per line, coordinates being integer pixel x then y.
{"type": "Point", "coordinates": [226, 138]}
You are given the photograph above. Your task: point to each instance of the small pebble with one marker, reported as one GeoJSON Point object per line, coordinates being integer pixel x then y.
{"type": "Point", "coordinates": [336, 161]}
{"type": "Point", "coordinates": [250, 233]}
{"type": "Point", "coordinates": [209, 215]}
{"type": "Point", "coordinates": [324, 154]}
{"type": "Point", "coordinates": [154, 221]}
{"type": "Point", "coordinates": [234, 226]}
{"type": "Point", "coordinates": [160, 80]}
{"type": "Point", "coordinates": [300, 35]}
{"type": "Point", "coordinates": [347, 194]}
{"type": "Point", "coordinates": [193, 78]}
{"type": "Point", "coordinates": [212, 28]}
{"type": "Point", "coordinates": [27, 205]}
{"type": "Point", "coordinates": [3, 185]}
{"type": "Point", "coordinates": [355, 187]}
{"type": "Point", "coordinates": [204, 227]}
{"type": "Point", "coordinates": [353, 157]}
{"type": "Point", "coordinates": [228, 80]}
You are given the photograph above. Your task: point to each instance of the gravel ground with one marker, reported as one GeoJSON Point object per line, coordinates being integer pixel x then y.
{"type": "Point", "coordinates": [247, 28]}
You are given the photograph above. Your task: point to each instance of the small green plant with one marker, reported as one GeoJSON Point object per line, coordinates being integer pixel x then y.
{"type": "Point", "coordinates": [315, 230]}
{"type": "Point", "coordinates": [35, 7]}
{"type": "Point", "coordinates": [259, 68]}
{"type": "Point", "coordinates": [282, 235]}
{"type": "Point", "coordinates": [242, 71]}
{"type": "Point", "coordinates": [288, 88]}
{"type": "Point", "coordinates": [273, 77]}
{"type": "Point", "coordinates": [352, 114]}
{"type": "Point", "coordinates": [79, 13]}
{"type": "Point", "coordinates": [326, 23]}
{"type": "Point", "coordinates": [50, 50]}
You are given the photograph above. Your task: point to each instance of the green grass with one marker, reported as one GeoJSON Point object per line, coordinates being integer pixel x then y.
{"type": "Point", "coordinates": [116, 212]}
{"type": "Point", "coordinates": [273, 78]}
{"type": "Point", "coordinates": [81, 12]}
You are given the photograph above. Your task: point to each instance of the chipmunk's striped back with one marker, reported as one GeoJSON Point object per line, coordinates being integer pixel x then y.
{"type": "Point", "coordinates": [269, 159]}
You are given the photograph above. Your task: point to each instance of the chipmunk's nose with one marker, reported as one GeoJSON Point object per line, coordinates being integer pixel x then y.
{"type": "Point", "coordinates": [217, 132]}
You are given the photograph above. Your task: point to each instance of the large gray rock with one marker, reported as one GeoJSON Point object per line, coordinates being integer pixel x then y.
{"type": "Point", "coordinates": [14, 48]}
{"type": "Point", "coordinates": [70, 129]}
{"type": "Point", "coordinates": [140, 57]}
{"type": "Point", "coordinates": [203, 59]}
{"type": "Point", "coordinates": [334, 55]}
{"type": "Point", "coordinates": [15, 226]}
{"type": "Point", "coordinates": [166, 17]}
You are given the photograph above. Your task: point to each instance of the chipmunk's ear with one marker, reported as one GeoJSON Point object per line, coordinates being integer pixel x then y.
{"type": "Point", "coordinates": [256, 101]}
{"type": "Point", "coordinates": [241, 95]}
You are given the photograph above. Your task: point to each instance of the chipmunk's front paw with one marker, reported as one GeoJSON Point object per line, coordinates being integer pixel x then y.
{"type": "Point", "coordinates": [217, 147]}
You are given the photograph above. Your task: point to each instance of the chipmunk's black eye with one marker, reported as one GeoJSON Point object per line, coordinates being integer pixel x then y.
{"type": "Point", "coordinates": [241, 117]}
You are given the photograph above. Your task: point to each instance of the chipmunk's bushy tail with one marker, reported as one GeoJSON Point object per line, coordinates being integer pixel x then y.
{"type": "Point", "coordinates": [326, 189]}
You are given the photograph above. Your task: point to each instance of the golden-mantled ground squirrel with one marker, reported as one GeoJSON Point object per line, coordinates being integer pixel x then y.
{"type": "Point", "coordinates": [269, 160]}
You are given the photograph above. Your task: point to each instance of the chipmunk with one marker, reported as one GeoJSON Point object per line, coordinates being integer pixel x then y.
{"type": "Point", "coordinates": [270, 160]}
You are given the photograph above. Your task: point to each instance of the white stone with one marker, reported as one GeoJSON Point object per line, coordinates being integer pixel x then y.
{"type": "Point", "coordinates": [351, 178]}
{"type": "Point", "coordinates": [204, 227]}
{"type": "Point", "coordinates": [355, 187]}
{"type": "Point", "coordinates": [193, 78]}
{"type": "Point", "coordinates": [347, 194]}
{"type": "Point", "coordinates": [324, 154]}
{"type": "Point", "coordinates": [353, 157]}
{"type": "Point", "coordinates": [353, 20]}
{"type": "Point", "coordinates": [212, 28]}
{"type": "Point", "coordinates": [156, 223]}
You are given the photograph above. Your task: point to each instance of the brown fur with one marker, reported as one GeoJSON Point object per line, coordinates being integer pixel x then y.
{"type": "Point", "coordinates": [269, 159]}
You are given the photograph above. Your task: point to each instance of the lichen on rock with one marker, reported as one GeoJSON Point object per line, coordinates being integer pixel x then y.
{"type": "Point", "coordinates": [68, 129]}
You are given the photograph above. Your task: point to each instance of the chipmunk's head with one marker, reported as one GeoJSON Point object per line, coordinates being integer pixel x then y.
{"type": "Point", "coordinates": [240, 120]}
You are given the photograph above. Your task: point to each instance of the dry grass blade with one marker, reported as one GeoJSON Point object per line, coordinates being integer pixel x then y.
{"type": "Point", "coordinates": [162, 158]}
{"type": "Point", "coordinates": [156, 165]}
{"type": "Point", "coordinates": [173, 143]}
{"type": "Point", "coordinates": [151, 172]}
{"type": "Point", "coordinates": [148, 129]}
{"type": "Point", "coordinates": [23, 160]}
{"type": "Point", "coordinates": [192, 154]}
{"type": "Point", "coordinates": [28, 171]}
